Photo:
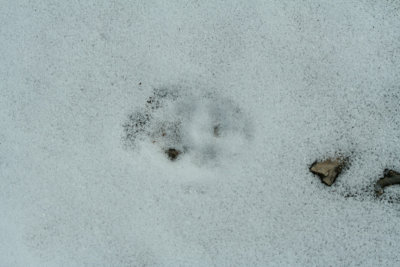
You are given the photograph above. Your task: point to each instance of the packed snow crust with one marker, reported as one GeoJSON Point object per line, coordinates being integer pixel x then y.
{"type": "Point", "coordinates": [252, 92]}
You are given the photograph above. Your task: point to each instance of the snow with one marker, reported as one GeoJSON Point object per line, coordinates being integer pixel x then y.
{"type": "Point", "coordinates": [285, 83]}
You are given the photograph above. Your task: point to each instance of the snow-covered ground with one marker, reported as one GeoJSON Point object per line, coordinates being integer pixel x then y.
{"type": "Point", "coordinates": [256, 91]}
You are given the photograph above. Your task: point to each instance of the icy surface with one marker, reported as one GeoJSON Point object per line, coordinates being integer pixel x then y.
{"type": "Point", "coordinates": [255, 92]}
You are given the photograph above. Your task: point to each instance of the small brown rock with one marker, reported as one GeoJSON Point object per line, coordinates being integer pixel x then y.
{"type": "Point", "coordinates": [328, 170]}
{"type": "Point", "coordinates": [390, 178]}
{"type": "Point", "coordinates": [172, 153]}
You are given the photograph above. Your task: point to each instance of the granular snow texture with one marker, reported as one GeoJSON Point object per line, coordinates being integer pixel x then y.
{"type": "Point", "coordinates": [92, 94]}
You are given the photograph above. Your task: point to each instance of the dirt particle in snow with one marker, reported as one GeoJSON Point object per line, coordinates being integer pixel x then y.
{"type": "Point", "coordinates": [172, 153]}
